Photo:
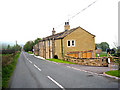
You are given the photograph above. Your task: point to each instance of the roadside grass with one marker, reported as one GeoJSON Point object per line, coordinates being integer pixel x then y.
{"type": "Point", "coordinates": [30, 52]}
{"type": "Point", "coordinates": [60, 61]}
{"type": "Point", "coordinates": [8, 70]}
{"type": "Point", "coordinates": [103, 54]}
{"type": "Point", "coordinates": [114, 73]}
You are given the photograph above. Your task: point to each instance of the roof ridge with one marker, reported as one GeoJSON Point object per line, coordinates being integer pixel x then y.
{"type": "Point", "coordinates": [64, 33]}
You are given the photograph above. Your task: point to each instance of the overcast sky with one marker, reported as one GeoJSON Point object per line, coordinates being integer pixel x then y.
{"type": "Point", "coordinates": [25, 20]}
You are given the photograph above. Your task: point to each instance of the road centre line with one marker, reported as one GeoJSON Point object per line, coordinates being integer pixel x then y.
{"type": "Point", "coordinates": [37, 67]}
{"type": "Point", "coordinates": [30, 61]}
{"type": "Point", "coordinates": [56, 83]}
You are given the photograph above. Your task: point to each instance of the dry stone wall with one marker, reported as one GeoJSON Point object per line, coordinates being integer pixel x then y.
{"type": "Point", "coordinates": [101, 61]}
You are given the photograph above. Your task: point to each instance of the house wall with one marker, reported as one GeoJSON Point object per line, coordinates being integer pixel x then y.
{"type": "Point", "coordinates": [83, 41]}
{"type": "Point", "coordinates": [35, 49]}
{"type": "Point", "coordinates": [58, 48]}
{"type": "Point", "coordinates": [47, 49]}
{"type": "Point", "coordinates": [41, 49]}
{"type": "Point", "coordinates": [50, 47]}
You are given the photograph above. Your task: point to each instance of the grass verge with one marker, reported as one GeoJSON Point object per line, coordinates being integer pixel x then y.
{"type": "Point", "coordinates": [8, 70]}
{"type": "Point", "coordinates": [30, 52]}
{"type": "Point", "coordinates": [60, 61]}
{"type": "Point", "coordinates": [114, 73]}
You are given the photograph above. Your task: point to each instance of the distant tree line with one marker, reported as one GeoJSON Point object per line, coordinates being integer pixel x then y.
{"type": "Point", "coordinates": [10, 49]}
{"type": "Point", "coordinates": [29, 45]}
{"type": "Point", "coordinates": [105, 47]}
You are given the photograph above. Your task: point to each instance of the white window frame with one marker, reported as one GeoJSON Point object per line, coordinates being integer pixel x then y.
{"type": "Point", "coordinates": [67, 43]}
{"type": "Point", "coordinates": [71, 43]}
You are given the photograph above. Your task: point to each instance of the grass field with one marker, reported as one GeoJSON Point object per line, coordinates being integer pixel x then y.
{"type": "Point", "coordinates": [8, 70]}
{"type": "Point", "coordinates": [103, 54]}
{"type": "Point", "coordinates": [114, 73]}
{"type": "Point", "coordinates": [60, 61]}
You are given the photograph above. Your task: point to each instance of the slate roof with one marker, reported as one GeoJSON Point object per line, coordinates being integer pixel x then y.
{"type": "Point", "coordinates": [63, 34]}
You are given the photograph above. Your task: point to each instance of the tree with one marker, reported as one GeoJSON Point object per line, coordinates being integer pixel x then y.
{"type": "Point", "coordinates": [118, 51]}
{"type": "Point", "coordinates": [16, 47]}
{"type": "Point", "coordinates": [97, 46]}
{"type": "Point", "coordinates": [104, 46]}
{"type": "Point", "coordinates": [28, 46]}
{"type": "Point", "coordinates": [37, 40]}
{"type": "Point", "coordinates": [8, 47]}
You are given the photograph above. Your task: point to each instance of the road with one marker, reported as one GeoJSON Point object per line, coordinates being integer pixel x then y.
{"type": "Point", "coordinates": [32, 72]}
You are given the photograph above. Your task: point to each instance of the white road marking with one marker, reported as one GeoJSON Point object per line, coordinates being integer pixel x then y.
{"type": "Point", "coordinates": [56, 83]}
{"type": "Point", "coordinates": [85, 71]}
{"type": "Point", "coordinates": [37, 67]}
{"type": "Point", "coordinates": [30, 61]}
{"type": "Point", "coordinates": [68, 66]}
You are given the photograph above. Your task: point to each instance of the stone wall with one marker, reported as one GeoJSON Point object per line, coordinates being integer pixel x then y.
{"type": "Point", "coordinates": [87, 61]}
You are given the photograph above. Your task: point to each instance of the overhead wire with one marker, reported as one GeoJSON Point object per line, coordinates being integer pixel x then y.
{"type": "Point", "coordinates": [77, 13]}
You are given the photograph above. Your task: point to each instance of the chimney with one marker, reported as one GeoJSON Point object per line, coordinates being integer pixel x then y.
{"type": "Point", "coordinates": [67, 26]}
{"type": "Point", "coordinates": [53, 32]}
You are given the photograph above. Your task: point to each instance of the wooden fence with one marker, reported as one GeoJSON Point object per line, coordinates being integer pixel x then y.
{"type": "Point", "coordinates": [81, 54]}
{"type": "Point", "coordinates": [101, 61]}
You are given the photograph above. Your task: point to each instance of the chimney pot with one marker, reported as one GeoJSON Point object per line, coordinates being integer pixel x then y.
{"type": "Point", "coordinates": [67, 26]}
{"type": "Point", "coordinates": [53, 31]}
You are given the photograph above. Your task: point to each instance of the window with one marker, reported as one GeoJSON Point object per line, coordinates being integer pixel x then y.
{"type": "Point", "coordinates": [68, 44]}
{"type": "Point", "coordinates": [73, 43]}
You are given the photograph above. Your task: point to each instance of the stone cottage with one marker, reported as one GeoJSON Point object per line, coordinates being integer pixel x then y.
{"type": "Point", "coordinates": [76, 42]}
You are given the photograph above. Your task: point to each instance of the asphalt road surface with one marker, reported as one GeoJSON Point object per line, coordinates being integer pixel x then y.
{"type": "Point", "coordinates": [32, 72]}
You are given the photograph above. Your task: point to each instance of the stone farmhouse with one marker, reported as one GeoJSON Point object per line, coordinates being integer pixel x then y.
{"type": "Point", "coordinates": [76, 42]}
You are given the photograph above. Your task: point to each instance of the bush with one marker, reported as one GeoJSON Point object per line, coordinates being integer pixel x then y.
{"type": "Point", "coordinates": [7, 69]}
{"type": "Point", "coordinates": [7, 51]}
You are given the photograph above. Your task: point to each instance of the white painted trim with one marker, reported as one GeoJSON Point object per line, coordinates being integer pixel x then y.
{"type": "Point", "coordinates": [71, 43]}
